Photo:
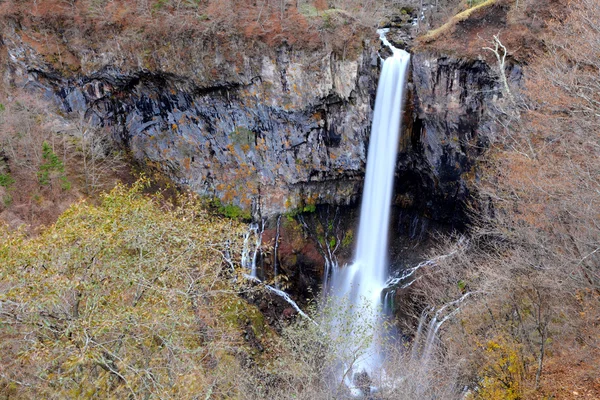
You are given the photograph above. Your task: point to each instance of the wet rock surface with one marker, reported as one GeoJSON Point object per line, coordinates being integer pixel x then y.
{"type": "Point", "coordinates": [454, 112]}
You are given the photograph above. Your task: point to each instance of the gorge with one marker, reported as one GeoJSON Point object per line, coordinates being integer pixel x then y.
{"type": "Point", "coordinates": [277, 137]}
{"type": "Point", "coordinates": [238, 199]}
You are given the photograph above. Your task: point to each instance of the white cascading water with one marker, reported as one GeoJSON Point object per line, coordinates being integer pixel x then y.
{"type": "Point", "coordinates": [361, 283]}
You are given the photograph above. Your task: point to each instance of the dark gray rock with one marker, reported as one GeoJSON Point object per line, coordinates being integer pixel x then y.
{"type": "Point", "coordinates": [294, 133]}
{"type": "Point", "coordinates": [455, 111]}
{"type": "Point", "coordinates": [292, 128]}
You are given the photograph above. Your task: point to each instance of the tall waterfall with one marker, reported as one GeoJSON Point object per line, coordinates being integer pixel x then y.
{"type": "Point", "coordinates": [360, 285]}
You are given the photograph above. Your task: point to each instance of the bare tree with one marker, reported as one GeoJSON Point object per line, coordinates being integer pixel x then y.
{"type": "Point", "coordinates": [99, 157]}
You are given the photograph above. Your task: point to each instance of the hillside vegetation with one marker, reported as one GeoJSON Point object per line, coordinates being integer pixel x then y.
{"type": "Point", "coordinates": [48, 162]}
{"type": "Point", "coordinates": [122, 299]}
{"type": "Point", "coordinates": [531, 328]}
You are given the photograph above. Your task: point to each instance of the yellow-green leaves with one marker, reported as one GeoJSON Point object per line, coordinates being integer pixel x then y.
{"type": "Point", "coordinates": [119, 300]}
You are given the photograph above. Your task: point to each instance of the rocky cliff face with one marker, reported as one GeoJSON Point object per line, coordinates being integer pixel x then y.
{"type": "Point", "coordinates": [287, 131]}
{"type": "Point", "coordinates": [455, 110]}
{"type": "Point", "coordinates": [290, 128]}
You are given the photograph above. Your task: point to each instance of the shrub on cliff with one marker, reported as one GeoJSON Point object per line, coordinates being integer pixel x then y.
{"type": "Point", "coordinates": [48, 161]}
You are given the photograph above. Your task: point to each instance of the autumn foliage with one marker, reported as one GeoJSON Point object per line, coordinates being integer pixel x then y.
{"type": "Point", "coordinates": [531, 328]}
{"type": "Point", "coordinates": [147, 33]}
{"type": "Point", "coordinates": [123, 299]}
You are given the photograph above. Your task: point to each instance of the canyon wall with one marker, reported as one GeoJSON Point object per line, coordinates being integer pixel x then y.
{"type": "Point", "coordinates": [289, 129]}
{"type": "Point", "coordinates": [285, 133]}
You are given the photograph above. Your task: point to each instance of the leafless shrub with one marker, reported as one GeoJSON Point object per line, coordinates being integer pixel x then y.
{"type": "Point", "coordinates": [85, 155]}
{"type": "Point", "coordinates": [533, 256]}
{"type": "Point", "coordinates": [97, 153]}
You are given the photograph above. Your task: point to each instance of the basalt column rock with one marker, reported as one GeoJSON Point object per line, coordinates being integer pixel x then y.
{"type": "Point", "coordinates": [286, 131]}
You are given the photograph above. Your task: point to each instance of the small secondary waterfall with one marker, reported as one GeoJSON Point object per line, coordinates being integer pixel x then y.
{"type": "Point", "coordinates": [250, 251]}
{"type": "Point", "coordinates": [361, 284]}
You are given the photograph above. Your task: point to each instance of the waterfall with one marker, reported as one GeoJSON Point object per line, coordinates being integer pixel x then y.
{"type": "Point", "coordinates": [362, 282]}
{"type": "Point", "coordinates": [250, 251]}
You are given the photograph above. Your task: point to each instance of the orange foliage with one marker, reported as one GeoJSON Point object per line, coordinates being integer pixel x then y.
{"type": "Point", "coordinates": [159, 26]}
{"type": "Point", "coordinates": [321, 5]}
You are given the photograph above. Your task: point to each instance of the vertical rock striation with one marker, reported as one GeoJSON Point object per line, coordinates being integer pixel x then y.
{"type": "Point", "coordinates": [289, 130]}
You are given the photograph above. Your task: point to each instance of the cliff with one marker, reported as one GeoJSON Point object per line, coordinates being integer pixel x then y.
{"type": "Point", "coordinates": [456, 106]}
{"type": "Point", "coordinates": [270, 129]}
{"type": "Point", "coordinates": [287, 130]}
